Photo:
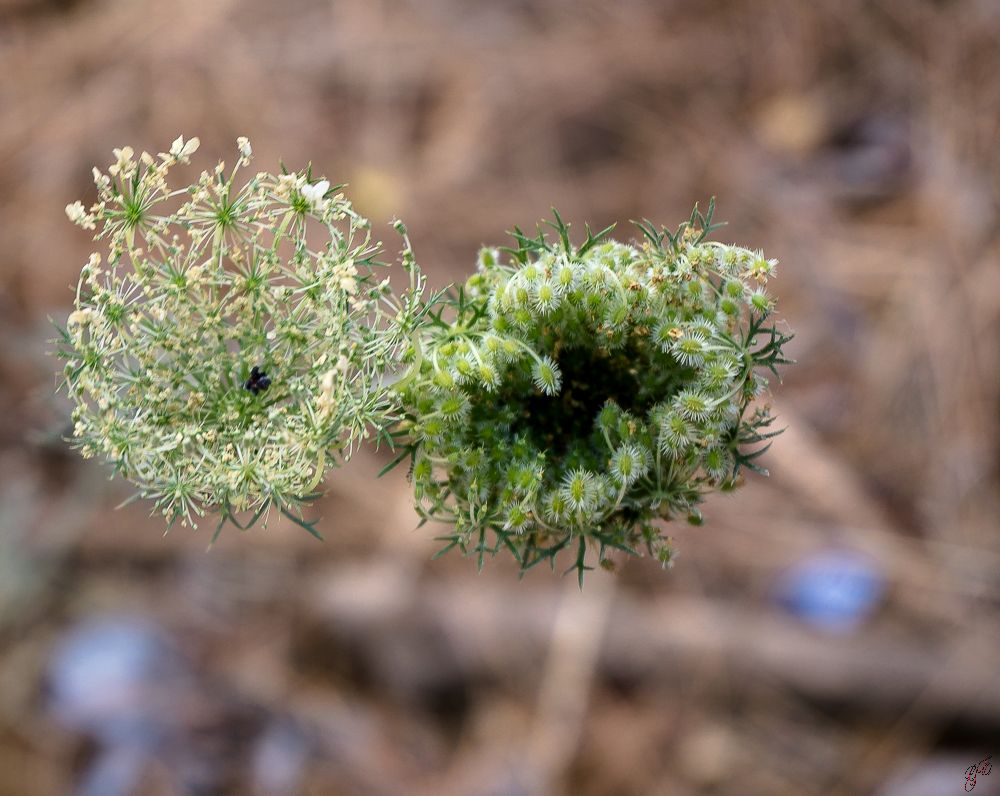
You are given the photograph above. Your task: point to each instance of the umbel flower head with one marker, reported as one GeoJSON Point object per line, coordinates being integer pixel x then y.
{"type": "Point", "coordinates": [228, 345]}
{"type": "Point", "coordinates": [577, 394]}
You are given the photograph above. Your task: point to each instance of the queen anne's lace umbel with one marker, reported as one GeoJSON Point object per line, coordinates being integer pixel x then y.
{"type": "Point", "coordinates": [227, 347]}
{"type": "Point", "coordinates": [578, 394]}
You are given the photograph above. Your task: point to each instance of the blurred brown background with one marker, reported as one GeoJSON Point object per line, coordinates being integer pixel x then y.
{"type": "Point", "coordinates": [855, 141]}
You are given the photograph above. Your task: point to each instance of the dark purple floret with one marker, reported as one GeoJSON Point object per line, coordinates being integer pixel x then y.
{"type": "Point", "coordinates": [258, 381]}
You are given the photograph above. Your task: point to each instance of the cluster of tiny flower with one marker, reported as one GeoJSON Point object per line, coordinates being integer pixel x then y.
{"type": "Point", "coordinates": [577, 394]}
{"type": "Point", "coordinates": [228, 348]}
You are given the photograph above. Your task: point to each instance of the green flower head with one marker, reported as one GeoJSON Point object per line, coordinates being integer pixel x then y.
{"type": "Point", "coordinates": [603, 387]}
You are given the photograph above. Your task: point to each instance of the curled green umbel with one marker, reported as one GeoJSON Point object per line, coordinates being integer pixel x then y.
{"type": "Point", "coordinates": [570, 397]}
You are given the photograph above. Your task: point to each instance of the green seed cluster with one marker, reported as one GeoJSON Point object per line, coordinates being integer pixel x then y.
{"type": "Point", "coordinates": [196, 287]}
{"type": "Point", "coordinates": [573, 395]}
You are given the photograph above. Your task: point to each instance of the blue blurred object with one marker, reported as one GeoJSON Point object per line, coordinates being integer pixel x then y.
{"type": "Point", "coordinates": [116, 679]}
{"type": "Point", "coordinates": [833, 590]}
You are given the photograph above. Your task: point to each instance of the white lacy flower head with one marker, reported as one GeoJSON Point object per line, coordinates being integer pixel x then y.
{"type": "Point", "coordinates": [198, 353]}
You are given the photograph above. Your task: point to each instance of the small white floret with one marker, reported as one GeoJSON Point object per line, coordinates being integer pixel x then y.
{"type": "Point", "coordinates": [314, 193]}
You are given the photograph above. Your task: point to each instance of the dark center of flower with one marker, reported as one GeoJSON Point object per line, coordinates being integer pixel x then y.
{"type": "Point", "coordinates": [589, 379]}
{"type": "Point", "coordinates": [635, 377]}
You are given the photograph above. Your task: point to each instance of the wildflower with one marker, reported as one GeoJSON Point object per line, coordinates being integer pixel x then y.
{"type": "Point", "coordinates": [204, 375]}
{"type": "Point", "coordinates": [80, 317]}
{"type": "Point", "coordinates": [123, 165]}
{"type": "Point", "coordinates": [314, 194]}
{"type": "Point", "coordinates": [102, 181]}
{"type": "Point", "coordinates": [181, 150]}
{"type": "Point", "coordinates": [78, 214]}
{"type": "Point", "coordinates": [602, 387]}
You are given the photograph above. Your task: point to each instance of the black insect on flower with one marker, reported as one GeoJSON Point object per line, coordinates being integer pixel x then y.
{"type": "Point", "coordinates": [258, 381]}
